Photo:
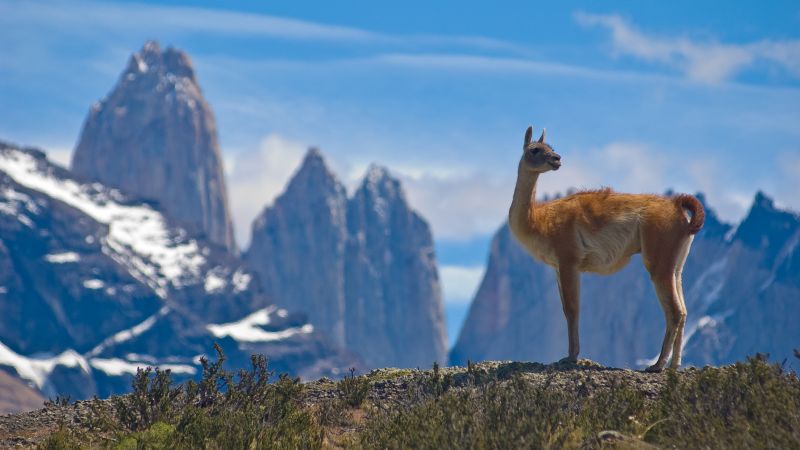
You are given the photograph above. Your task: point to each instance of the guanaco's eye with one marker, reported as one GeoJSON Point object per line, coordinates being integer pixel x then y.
{"type": "Point", "coordinates": [534, 150]}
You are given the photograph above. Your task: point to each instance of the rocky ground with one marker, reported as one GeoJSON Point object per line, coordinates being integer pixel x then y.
{"type": "Point", "coordinates": [387, 387]}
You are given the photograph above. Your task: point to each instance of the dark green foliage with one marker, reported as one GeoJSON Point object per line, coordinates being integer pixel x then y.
{"type": "Point", "coordinates": [152, 400]}
{"type": "Point", "coordinates": [219, 411]}
{"type": "Point", "coordinates": [61, 439]}
{"type": "Point", "coordinates": [354, 389]}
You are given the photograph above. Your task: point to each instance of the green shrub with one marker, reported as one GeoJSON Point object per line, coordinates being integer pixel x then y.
{"type": "Point", "coordinates": [61, 439]}
{"type": "Point", "coordinates": [354, 389]}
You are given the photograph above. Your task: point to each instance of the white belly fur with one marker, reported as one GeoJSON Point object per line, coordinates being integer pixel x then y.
{"type": "Point", "coordinates": [603, 252]}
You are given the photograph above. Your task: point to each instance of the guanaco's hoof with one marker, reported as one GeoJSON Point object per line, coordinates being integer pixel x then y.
{"type": "Point", "coordinates": [568, 360]}
{"type": "Point", "coordinates": [654, 368]}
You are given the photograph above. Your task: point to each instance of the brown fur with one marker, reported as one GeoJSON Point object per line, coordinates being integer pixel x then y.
{"type": "Point", "coordinates": [598, 231]}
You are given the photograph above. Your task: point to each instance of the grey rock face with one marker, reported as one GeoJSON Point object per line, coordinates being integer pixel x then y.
{"type": "Point", "coordinates": [394, 305]}
{"type": "Point", "coordinates": [741, 291]}
{"type": "Point", "coordinates": [364, 268]}
{"type": "Point", "coordinates": [154, 136]}
{"type": "Point", "coordinates": [94, 283]}
{"type": "Point", "coordinates": [298, 246]}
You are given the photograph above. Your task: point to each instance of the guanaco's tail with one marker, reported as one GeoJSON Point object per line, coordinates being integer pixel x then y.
{"type": "Point", "coordinates": [691, 204]}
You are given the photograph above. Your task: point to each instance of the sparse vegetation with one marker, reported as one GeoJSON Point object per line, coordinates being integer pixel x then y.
{"type": "Point", "coordinates": [354, 389]}
{"type": "Point", "coordinates": [752, 404]}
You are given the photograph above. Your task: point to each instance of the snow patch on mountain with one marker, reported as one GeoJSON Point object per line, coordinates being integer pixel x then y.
{"type": "Point", "coordinates": [118, 366]}
{"type": "Point", "coordinates": [249, 329]}
{"type": "Point", "coordinates": [37, 370]}
{"type": "Point", "coordinates": [214, 282]}
{"type": "Point", "coordinates": [61, 258]}
{"type": "Point", "coordinates": [130, 333]}
{"type": "Point", "coordinates": [93, 284]}
{"type": "Point", "coordinates": [138, 236]}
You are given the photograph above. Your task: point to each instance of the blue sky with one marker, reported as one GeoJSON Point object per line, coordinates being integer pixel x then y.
{"type": "Point", "coordinates": [637, 95]}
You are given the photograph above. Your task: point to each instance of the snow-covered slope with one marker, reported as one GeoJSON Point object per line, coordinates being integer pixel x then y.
{"type": "Point", "coordinates": [94, 283]}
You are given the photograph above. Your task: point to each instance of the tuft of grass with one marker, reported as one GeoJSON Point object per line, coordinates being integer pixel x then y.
{"type": "Point", "coordinates": [354, 389]}
{"type": "Point", "coordinates": [61, 439]}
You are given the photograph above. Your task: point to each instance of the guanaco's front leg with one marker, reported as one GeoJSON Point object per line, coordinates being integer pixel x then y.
{"type": "Point", "coordinates": [569, 285]}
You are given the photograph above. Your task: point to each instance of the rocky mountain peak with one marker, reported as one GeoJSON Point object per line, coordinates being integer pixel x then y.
{"type": "Point", "coordinates": [151, 60]}
{"type": "Point", "coordinates": [314, 173]}
{"type": "Point", "coordinates": [298, 246]}
{"type": "Point", "coordinates": [378, 181]}
{"type": "Point", "coordinates": [767, 227]}
{"type": "Point", "coordinates": [713, 226]}
{"type": "Point", "coordinates": [154, 136]}
{"type": "Point", "coordinates": [363, 267]}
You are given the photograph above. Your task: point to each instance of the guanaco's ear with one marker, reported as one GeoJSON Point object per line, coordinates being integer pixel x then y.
{"type": "Point", "coordinates": [528, 137]}
{"type": "Point", "coordinates": [544, 135]}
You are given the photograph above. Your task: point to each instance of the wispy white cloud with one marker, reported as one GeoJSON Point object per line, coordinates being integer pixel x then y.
{"type": "Point", "coordinates": [709, 61]}
{"type": "Point", "coordinates": [81, 17]}
{"type": "Point", "coordinates": [147, 17]}
{"type": "Point", "coordinates": [255, 178]}
{"type": "Point", "coordinates": [460, 283]}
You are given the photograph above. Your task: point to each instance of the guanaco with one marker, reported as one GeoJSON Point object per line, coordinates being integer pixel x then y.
{"type": "Point", "coordinates": [598, 231]}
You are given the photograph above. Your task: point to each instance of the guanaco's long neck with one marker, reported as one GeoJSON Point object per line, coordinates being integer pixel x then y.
{"type": "Point", "coordinates": [521, 213]}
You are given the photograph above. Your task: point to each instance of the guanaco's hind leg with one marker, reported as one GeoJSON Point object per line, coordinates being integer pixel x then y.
{"type": "Point", "coordinates": [569, 288]}
{"type": "Point", "coordinates": [674, 314]}
{"type": "Point", "coordinates": [662, 254]}
{"type": "Point", "coordinates": [677, 347]}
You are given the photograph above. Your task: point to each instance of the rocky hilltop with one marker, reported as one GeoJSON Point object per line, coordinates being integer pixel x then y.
{"type": "Point", "coordinates": [494, 404]}
{"type": "Point", "coordinates": [364, 267]}
{"type": "Point", "coordinates": [742, 288]}
{"type": "Point", "coordinates": [95, 283]}
{"type": "Point", "coordinates": [154, 136]}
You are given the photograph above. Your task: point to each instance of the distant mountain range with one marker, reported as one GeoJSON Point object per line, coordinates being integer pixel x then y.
{"type": "Point", "coordinates": [364, 268]}
{"type": "Point", "coordinates": [128, 259]}
{"type": "Point", "coordinates": [95, 283]}
{"type": "Point", "coordinates": [742, 288]}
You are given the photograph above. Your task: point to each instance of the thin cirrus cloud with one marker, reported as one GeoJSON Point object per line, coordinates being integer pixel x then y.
{"type": "Point", "coordinates": [708, 62]}
{"type": "Point", "coordinates": [81, 17]}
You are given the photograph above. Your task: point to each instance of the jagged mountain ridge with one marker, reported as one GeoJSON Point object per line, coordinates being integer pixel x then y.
{"type": "Point", "coordinates": [741, 285]}
{"type": "Point", "coordinates": [96, 283]}
{"type": "Point", "coordinates": [155, 136]}
{"type": "Point", "coordinates": [363, 267]}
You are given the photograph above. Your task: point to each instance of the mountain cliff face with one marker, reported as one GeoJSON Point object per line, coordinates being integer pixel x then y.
{"type": "Point", "coordinates": [154, 136]}
{"type": "Point", "coordinates": [393, 298]}
{"type": "Point", "coordinates": [364, 268]}
{"type": "Point", "coordinates": [298, 246]}
{"type": "Point", "coordinates": [741, 288]}
{"type": "Point", "coordinates": [95, 283]}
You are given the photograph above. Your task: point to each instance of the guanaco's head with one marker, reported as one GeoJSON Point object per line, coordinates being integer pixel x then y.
{"type": "Point", "coordinates": [538, 156]}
